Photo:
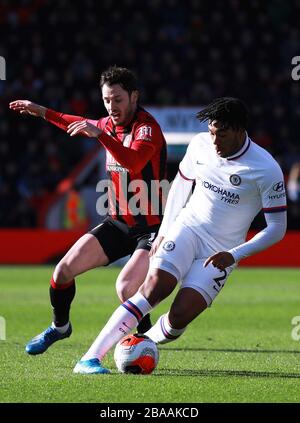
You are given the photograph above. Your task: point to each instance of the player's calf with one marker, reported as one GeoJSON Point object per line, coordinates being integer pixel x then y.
{"type": "Point", "coordinates": [144, 324]}
{"type": "Point", "coordinates": [63, 273]}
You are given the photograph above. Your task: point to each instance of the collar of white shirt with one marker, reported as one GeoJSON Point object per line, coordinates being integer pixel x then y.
{"type": "Point", "coordinates": [242, 151]}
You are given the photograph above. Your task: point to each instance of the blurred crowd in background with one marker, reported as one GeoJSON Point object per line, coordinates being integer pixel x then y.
{"type": "Point", "coordinates": [185, 53]}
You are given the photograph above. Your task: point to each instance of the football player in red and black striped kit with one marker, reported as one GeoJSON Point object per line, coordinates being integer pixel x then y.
{"type": "Point", "coordinates": [135, 155]}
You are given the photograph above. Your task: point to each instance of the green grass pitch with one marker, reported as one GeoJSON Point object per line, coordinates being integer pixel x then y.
{"type": "Point", "coordinates": [240, 350]}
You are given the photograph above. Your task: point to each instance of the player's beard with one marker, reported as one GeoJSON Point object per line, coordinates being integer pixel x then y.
{"type": "Point", "coordinates": [127, 116]}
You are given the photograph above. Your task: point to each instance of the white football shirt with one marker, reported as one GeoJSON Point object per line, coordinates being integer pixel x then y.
{"type": "Point", "coordinates": [230, 191]}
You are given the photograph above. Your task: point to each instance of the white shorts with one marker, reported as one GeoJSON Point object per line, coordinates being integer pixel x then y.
{"type": "Point", "coordinates": [183, 253]}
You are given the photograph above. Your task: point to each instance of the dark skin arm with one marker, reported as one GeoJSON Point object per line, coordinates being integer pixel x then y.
{"type": "Point", "coordinates": [221, 260]}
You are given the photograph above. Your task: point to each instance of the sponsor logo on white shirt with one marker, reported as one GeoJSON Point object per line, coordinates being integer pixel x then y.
{"type": "Point", "coordinates": [226, 196]}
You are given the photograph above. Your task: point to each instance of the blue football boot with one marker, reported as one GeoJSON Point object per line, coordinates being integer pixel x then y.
{"type": "Point", "coordinates": [90, 367]}
{"type": "Point", "coordinates": [44, 340]}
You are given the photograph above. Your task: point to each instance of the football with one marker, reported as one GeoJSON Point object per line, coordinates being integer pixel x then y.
{"type": "Point", "coordinates": [136, 353]}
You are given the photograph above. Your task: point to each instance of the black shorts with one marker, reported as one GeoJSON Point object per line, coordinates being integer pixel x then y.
{"type": "Point", "coordinates": [119, 240]}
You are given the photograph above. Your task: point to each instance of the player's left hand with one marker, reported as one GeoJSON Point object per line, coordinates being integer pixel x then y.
{"type": "Point", "coordinates": [83, 127]}
{"type": "Point", "coordinates": [220, 260]}
{"type": "Point", "coordinates": [156, 243]}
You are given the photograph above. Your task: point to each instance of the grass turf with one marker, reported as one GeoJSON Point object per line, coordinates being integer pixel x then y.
{"type": "Point", "coordinates": [239, 350]}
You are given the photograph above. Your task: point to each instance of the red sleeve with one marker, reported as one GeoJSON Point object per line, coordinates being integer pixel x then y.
{"type": "Point", "coordinates": [60, 119]}
{"type": "Point", "coordinates": [133, 158]}
{"type": "Point", "coordinates": [147, 139]}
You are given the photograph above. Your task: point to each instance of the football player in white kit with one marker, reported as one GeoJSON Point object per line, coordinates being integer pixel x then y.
{"type": "Point", "coordinates": [203, 233]}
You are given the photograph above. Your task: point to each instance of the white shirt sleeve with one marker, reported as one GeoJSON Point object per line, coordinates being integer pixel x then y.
{"type": "Point", "coordinates": [273, 198]}
{"type": "Point", "coordinates": [274, 232]}
{"type": "Point", "coordinates": [272, 189]}
{"type": "Point", "coordinates": [187, 165]}
{"type": "Point", "coordinates": [177, 198]}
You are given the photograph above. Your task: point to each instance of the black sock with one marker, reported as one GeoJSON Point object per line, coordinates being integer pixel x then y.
{"type": "Point", "coordinates": [145, 324]}
{"type": "Point", "coordinates": [61, 300]}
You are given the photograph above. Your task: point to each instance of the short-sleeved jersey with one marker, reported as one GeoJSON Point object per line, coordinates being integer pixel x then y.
{"type": "Point", "coordinates": [229, 192]}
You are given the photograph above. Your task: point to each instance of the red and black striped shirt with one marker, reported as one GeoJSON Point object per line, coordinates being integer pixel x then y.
{"type": "Point", "coordinates": [135, 162]}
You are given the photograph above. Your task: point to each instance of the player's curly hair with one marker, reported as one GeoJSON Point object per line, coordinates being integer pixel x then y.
{"type": "Point", "coordinates": [230, 112]}
{"type": "Point", "coordinates": [118, 75]}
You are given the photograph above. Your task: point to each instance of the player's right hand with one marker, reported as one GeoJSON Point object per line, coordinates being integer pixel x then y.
{"type": "Point", "coordinates": [27, 107]}
{"type": "Point", "coordinates": [155, 245]}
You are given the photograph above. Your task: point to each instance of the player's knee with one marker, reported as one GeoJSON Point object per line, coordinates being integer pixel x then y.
{"type": "Point", "coordinates": [154, 289]}
{"type": "Point", "coordinates": [123, 289]}
{"type": "Point", "coordinates": [63, 273]}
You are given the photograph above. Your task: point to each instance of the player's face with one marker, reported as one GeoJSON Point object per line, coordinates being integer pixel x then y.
{"type": "Point", "coordinates": [119, 104]}
{"type": "Point", "coordinates": [227, 141]}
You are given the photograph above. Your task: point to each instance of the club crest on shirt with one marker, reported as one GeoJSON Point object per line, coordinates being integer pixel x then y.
{"type": "Point", "coordinates": [144, 133]}
{"type": "Point", "coordinates": [169, 246]}
{"type": "Point", "coordinates": [235, 180]}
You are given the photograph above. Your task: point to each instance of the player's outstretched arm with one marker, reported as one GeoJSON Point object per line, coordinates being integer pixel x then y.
{"type": "Point", "coordinates": [61, 120]}
{"type": "Point", "coordinates": [274, 232]}
{"type": "Point", "coordinates": [27, 107]}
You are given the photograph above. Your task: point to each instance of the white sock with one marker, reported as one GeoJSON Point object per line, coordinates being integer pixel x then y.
{"type": "Point", "coordinates": [162, 332]}
{"type": "Point", "coordinates": [61, 329]}
{"type": "Point", "coordinates": [124, 319]}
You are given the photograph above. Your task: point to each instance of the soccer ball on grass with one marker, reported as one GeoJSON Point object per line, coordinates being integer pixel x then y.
{"type": "Point", "coordinates": [136, 353]}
